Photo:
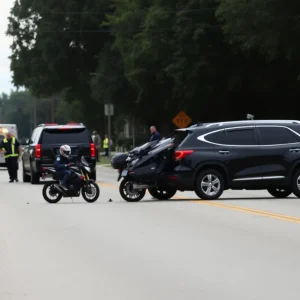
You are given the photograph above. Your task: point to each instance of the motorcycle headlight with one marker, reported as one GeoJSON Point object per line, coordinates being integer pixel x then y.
{"type": "Point", "coordinates": [134, 162]}
{"type": "Point", "coordinates": [88, 169]}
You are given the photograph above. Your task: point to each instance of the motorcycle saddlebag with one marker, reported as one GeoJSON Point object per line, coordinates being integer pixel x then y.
{"type": "Point", "coordinates": [118, 161]}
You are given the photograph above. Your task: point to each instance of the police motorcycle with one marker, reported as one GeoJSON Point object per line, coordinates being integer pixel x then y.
{"type": "Point", "coordinates": [79, 182]}
{"type": "Point", "coordinates": [148, 167]}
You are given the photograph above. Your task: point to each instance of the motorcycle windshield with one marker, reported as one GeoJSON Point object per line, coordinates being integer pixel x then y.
{"type": "Point", "coordinates": [162, 142]}
{"type": "Point", "coordinates": [148, 145]}
{"type": "Point", "coordinates": [145, 146]}
{"type": "Point", "coordinates": [84, 162]}
{"type": "Point", "coordinates": [162, 145]}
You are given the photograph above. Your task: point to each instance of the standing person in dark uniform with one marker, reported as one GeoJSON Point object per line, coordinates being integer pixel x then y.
{"type": "Point", "coordinates": [155, 136]}
{"type": "Point", "coordinates": [12, 153]}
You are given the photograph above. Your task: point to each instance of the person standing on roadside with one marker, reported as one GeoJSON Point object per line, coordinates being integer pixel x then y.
{"type": "Point", "coordinates": [12, 154]}
{"type": "Point", "coordinates": [97, 142]}
{"type": "Point", "coordinates": [105, 145]}
{"type": "Point", "coordinates": [155, 136]}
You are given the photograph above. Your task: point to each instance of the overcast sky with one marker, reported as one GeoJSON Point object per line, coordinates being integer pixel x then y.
{"type": "Point", "coordinates": [5, 74]}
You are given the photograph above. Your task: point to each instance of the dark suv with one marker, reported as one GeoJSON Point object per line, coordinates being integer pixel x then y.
{"type": "Point", "coordinates": [44, 145]}
{"type": "Point", "coordinates": [250, 155]}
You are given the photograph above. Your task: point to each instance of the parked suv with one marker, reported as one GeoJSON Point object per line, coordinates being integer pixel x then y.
{"type": "Point", "coordinates": [250, 155]}
{"type": "Point", "coordinates": [44, 145]}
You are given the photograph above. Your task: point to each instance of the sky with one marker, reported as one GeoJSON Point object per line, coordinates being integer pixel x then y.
{"type": "Point", "coordinates": [5, 74]}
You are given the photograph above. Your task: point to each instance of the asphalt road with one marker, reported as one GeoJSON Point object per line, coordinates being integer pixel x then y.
{"type": "Point", "coordinates": [244, 246]}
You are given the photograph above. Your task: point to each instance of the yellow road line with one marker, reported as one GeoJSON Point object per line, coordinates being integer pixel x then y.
{"type": "Point", "coordinates": [230, 207]}
{"type": "Point", "coordinates": [252, 211]}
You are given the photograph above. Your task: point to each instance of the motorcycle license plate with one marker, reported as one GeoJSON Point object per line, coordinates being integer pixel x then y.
{"type": "Point", "coordinates": [124, 173]}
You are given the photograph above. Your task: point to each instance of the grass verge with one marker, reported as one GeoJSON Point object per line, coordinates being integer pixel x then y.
{"type": "Point", "coordinates": [104, 161]}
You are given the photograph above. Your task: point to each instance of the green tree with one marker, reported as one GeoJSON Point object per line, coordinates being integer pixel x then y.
{"type": "Point", "coordinates": [152, 59]}
{"type": "Point", "coordinates": [175, 57]}
{"type": "Point", "coordinates": [18, 109]}
{"type": "Point", "coordinates": [56, 44]}
{"type": "Point", "coordinates": [139, 38]}
{"type": "Point", "coordinates": [269, 26]}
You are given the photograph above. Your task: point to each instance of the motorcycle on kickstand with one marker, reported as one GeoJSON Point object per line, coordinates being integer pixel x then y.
{"type": "Point", "coordinates": [79, 182]}
{"type": "Point", "coordinates": [148, 167]}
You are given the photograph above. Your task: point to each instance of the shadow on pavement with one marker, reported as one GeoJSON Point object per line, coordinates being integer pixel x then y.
{"type": "Point", "coordinates": [70, 202]}
{"type": "Point", "coordinates": [220, 199]}
{"type": "Point", "coordinates": [114, 201]}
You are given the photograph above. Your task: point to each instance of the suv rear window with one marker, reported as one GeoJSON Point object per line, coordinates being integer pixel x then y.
{"type": "Point", "coordinates": [180, 136]}
{"type": "Point", "coordinates": [65, 136]}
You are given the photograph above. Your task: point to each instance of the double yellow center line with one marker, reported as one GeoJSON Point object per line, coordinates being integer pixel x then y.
{"type": "Point", "coordinates": [230, 207]}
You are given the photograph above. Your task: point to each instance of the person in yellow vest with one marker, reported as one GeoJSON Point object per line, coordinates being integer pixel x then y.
{"type": "Point", "coordinates": [105, 145]}
{"type": "Point", "coordinates": [12, 153]}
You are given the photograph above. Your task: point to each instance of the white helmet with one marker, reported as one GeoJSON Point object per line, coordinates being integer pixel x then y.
{"type": "Point", "coordinates": [65, 150]}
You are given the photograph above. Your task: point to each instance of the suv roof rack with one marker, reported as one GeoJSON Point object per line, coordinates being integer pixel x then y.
{"type": "Point", "coordinates": [252, 122]}
{"type": "Point", "coordinates": [75, 124]}
{"type": "Point", "coordinates": [47, 124]}
{"type": "Point", "coordinates": [196, 125]}
{"type": "Point", "coordinates": [55, 124]}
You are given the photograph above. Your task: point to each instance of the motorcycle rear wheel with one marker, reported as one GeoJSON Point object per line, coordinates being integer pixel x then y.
{"type": "Point", "coordinates": [162, 194]}
{"type": "Point", "coordinates": [56, 194]}
{"type": "Point", "coordinates": [128, 194]}
{"type": "Point", "coordinates": [95, 194]}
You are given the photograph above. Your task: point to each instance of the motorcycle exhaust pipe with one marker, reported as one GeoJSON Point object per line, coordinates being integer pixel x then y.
{"type": "Point", "coordinates": [140, 186]}
{"type": "Point", "coordinates": [59, 189]}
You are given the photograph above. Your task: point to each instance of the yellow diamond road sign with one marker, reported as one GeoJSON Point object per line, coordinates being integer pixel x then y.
{"type": "Point", "coordinates": [182, 120]}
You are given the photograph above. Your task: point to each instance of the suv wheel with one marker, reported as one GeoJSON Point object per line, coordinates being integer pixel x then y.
{"type": "Point", "coordinates": [209, 184]}
{"type": "Point", "coordinates": [35, 178]}
{"type": "Point", "coordinates": [162, 194]}
{"type": "Point", "coordinates": [26, 178]}
{"type": "Point", "coordinates": [93, 175]}
{"type": "Point", "coordinates": [279, 192]}
{"type": "Point", "coordinates": [296, 183]}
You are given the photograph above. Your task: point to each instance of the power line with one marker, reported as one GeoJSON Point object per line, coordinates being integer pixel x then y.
{"type": "Point", "coordinates": [122, 30]}
{"type": "Point", "coordinates": [112, 10]}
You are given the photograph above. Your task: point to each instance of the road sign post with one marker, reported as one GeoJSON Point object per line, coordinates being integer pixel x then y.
{"type": "Point", "coordinates": [109, 111]}
{"type": "Point", "coordinates": [182, 120]}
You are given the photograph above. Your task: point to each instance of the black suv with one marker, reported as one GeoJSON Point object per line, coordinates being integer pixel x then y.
{"type": "Point", "coordinates": [250, 155]}
{"type": "Point", "coordinates": [44, 145]}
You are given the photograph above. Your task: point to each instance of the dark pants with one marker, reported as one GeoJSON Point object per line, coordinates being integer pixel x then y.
{"type": "Point", "coordinates": [98, 153]}
{"type": "Point", "coordinates": [12, 167]}
{"type": "Point", "coordinates": [66, 174]}
{"type": "Point", "coordinates": [106, 152]}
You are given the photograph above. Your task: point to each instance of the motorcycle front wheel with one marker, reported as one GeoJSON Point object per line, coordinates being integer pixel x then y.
{"type": "Point", "coordinates": [51, 194]}
{"type": "Point", "coordinates": [128, 193]}
{"type": "Point", "coordinates": [91, 193]}
{"type": "Point", "coordinates": [162, 194]}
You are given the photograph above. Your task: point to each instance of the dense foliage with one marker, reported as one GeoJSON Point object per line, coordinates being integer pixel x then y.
{"type": "Point", "coordinates": [214, 59]}
{"type": "Point", "coordinates": [27, 111]}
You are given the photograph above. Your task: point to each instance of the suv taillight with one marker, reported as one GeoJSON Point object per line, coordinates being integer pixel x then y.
{"type": "Point", "coordinates": [181, 154]}
{"type": "Point", "coordinates": [93, 150]}
{"type": "Point", "coordinates": [38, 151]}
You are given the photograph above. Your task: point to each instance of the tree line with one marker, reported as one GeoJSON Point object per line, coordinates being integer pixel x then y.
{"type": "Point", "coordinates": [28, 111]}
{"type": "Point", "coordinates": [214, 59]}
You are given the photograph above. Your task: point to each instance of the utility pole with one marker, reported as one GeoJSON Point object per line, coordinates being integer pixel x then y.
{"type": "Point", "coordinates": [2, 112]}
{"type": "Point", "coordinates": [34, 113]}
{"type": "Point", "coordinates": [133, 132]}
{"type": "Point", "coordinates": [52, 109]}
{"type": "Point", "coordinates": [109, 111]}
{"type": "Point", "coordinates": [109, 131]}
